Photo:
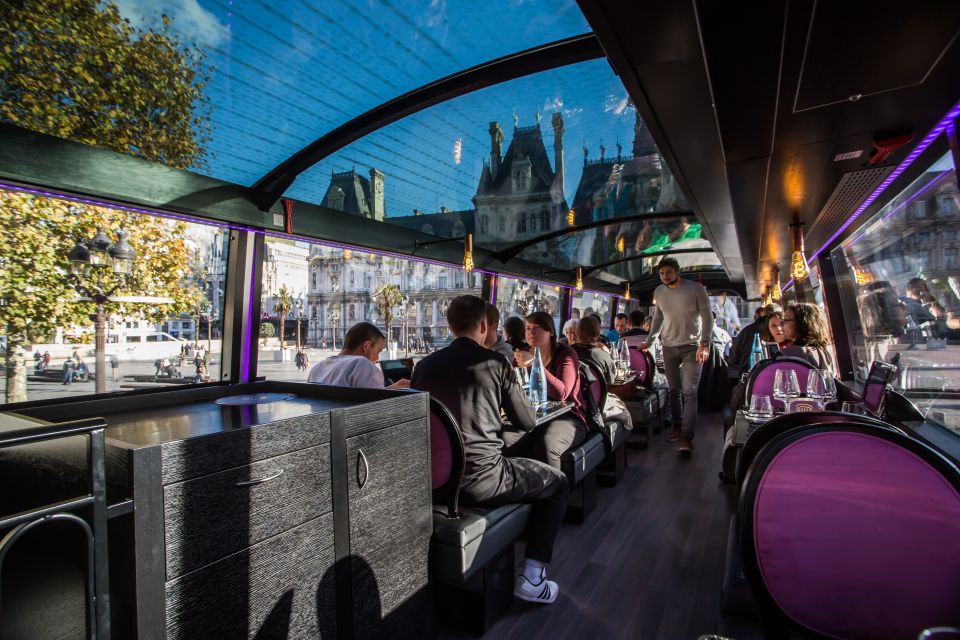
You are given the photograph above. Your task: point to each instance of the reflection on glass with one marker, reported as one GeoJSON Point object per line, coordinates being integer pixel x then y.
{"type": "Point", "coordinates": [312, 294]}
{"type": "Point", "coordinates": [520, 298]}
{"type": "Point", "coordinates": [587, 302]}
{"type": "Point", "coordinates": [901, 292]}
{"type": "Point", "coordinates": [513, 162]}
{"type": "Point", "coordinates": [159, 310]}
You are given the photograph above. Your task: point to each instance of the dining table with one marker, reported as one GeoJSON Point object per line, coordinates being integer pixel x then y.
{"type": "Point", "coordinates": [546, 413]}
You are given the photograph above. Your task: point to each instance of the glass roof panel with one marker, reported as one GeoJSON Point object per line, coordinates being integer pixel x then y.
{"type": "Point", "coordinates": [512, 162]}
{"type": "Point", "coordinates": [232, 88]}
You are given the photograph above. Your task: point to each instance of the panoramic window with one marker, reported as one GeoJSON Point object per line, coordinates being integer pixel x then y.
{"type": "Point", "coordinates": [517, 160]}
{"type": "Point", "coordinates": [148, 289]}
{"type": "Point", "coordinates": [904, 304]}
{"type": "Point", "coordinates": [585, 302]}
{"type": "Point", "coordinates": [521, 298]}
{"type": "Point", "coordinates": [187, 83]}
{"type": "Point", "coordinates": [299, 326]}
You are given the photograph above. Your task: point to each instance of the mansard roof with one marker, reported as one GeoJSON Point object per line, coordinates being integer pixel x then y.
{"type": "Point", "coordinates": [356, 192]}
{"type": "Point", "coordinates": [527, 143]}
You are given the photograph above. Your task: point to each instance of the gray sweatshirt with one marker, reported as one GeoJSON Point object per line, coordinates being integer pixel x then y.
{"type": "Point", "coordinates": [683, 314]}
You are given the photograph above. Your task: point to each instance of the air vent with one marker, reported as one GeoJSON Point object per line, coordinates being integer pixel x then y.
{"type": "Point", "coordinates": [849, 155]}
{"type": "Point", "coordinates": [854, 187]}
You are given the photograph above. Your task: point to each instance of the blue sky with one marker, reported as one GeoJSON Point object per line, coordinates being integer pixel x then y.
{"type": "Point", "coordinates": [285, 73]}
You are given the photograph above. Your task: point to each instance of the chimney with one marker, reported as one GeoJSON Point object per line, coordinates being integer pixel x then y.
{"type": "Point", "coordinates": [376, 194]}
{"type": "Point", "coordinates": [557, 121]}
{"type": "Point", "coordinates": [496, 148]}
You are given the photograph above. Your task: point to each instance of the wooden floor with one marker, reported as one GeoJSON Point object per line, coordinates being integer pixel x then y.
{"type": "Point", "coordinates": [648, 563]}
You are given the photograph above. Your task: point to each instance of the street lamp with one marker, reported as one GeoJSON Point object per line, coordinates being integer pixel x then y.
{"type": "Point", "coordinates": [97, 254]}
{"type": "Point", "coordinates": [332, 316]}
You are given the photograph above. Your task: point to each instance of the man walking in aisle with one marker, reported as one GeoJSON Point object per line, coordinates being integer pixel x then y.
{"type": "Point", "coordinates": [684, 323]}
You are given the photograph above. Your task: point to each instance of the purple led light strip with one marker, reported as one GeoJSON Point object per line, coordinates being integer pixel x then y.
{"type": "Point", "coordinates": [940, 127]}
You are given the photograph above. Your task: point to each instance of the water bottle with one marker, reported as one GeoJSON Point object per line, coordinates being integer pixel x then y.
{"type": "Point", "coordinates": [756, 352]}
{"type": "Point", "coordinates": [538, 381]}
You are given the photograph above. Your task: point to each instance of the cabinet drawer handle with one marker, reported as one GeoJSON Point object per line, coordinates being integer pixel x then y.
{"type": "Point", "coordinates": [247, 483]}
{"type": "Point", "coordinates": [363, 469]}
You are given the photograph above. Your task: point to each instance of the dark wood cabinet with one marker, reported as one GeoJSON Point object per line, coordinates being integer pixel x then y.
{"type": "Point", "coordinates": [309, 518]}
{"type": "Point", "coordinates": [390, 528]}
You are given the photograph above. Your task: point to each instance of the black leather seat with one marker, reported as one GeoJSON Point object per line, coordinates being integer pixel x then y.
{"type": "Point", "coordinates": [462, 546]}
{"type": "Point", "coordinates": [580, 461]}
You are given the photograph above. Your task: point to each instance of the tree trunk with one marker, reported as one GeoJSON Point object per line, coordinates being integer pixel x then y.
{"type": "Point", "coordinates": [16, 387]}
{"type": "Point", "coordinates": [283, 314]}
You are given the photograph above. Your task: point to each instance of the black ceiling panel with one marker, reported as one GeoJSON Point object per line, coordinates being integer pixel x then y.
{"type": "Point", "coordinates": [860, 48]}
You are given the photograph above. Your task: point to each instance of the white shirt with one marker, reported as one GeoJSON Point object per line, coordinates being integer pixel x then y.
{"type": "Point", "coordinates": [347, 371]}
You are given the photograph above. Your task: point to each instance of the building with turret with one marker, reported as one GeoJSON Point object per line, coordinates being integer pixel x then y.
{"type": "Point", "coordinates": [352, 193]}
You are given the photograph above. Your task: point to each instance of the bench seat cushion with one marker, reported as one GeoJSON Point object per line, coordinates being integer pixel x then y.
{"type": "Point", "coordinates": [462, 546]}
{"type": "Point", "coordinates": [619, 431]}
{"type": "Point", "coordinates": [580, 461]}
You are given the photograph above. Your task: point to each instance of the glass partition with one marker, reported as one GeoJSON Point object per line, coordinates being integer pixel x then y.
{"type": "Point", "coordinates": [585, 302]}
{"type": "Point", "coordinates": [900, 288]}
{"type": "Point", "coordinates": [312, 294]}
{"type": "Point", "coordinates": [522, 297]}
{"type": "Point", "coordinates": [150, 289]}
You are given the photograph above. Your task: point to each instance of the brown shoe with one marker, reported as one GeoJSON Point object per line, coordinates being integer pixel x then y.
{"type": "Point", "coordinates": [674, 436]}
{"type": "Point", "coordinates": [686, 446]}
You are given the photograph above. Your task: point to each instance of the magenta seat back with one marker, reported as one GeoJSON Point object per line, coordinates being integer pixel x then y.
{"type": "Point", "coordinates": [857, 536]}
{"type": "Point", "coordinates": [638, 362]}
{"type": "Point", "coordinates": [441, 453]}
{"type": "Point", "coordinates": [761, 380]}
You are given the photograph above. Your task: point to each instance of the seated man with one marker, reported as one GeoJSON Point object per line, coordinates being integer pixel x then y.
{"type": "Point", "coordinates": [494, 341]}
{"type": "Point", "coordinates": [636, 321]}
{"type": "Point", "coordinates": [356, 364]}
{"type": "Point", "coordinates": [474, 382]}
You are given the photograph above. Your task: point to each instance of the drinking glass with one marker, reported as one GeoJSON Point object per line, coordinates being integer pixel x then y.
{"type": "Point", "coordinates": [816, 386]}
{"type": "Point", "coordinates": [940, 633]}
{"type": "Point", "coordinates": [760, 406]}
{"type": "Point", "coordinates": [830, 386]}
{"type": "Point", "coordinates": [779, 392]}
{"type": "Point", "coordinates": [791, 384]}
{"type": "Point", "coordinates": [855, 408]}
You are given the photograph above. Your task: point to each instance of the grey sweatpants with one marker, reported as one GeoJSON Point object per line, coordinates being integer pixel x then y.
{"type": "Point", "coordinates": [683, 378]}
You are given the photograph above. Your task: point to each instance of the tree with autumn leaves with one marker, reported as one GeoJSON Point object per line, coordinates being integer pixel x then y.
{"type": "Point", "coordinates": [75, 69]}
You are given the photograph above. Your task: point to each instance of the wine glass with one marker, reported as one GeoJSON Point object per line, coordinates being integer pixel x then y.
{"type": "Point", "coordinates": [791, 385]}
{"type": "Point", "coordinates": [760, 406]}
{"type": "Point", "coordinates": [779, 391]}
{"type": "Point", "coordinates": [816, 386]}
{"type": "Point", "coordinates": [830, 386]}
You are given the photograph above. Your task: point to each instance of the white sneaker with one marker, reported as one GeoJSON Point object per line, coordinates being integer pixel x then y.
{"type": "Point", "coordinates": [544, 593]}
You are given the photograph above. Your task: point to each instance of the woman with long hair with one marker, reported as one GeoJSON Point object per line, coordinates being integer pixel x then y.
{"type": "Point", "coordinates": [562, 366]}
{"type": "Point", "coordinates": [805, 326]}
{"type": "Point", "coordinates": [772, 330]}
{"type": "Point", "coordinates": [513, 332]}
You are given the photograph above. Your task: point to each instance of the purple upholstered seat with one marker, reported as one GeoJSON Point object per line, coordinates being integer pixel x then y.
{"type": "Point", "coordinates": [762, 378]}
{"type": "Point", "coordinates": [638, 362]}
{"type": "Point", "coordinates": [858, 537]}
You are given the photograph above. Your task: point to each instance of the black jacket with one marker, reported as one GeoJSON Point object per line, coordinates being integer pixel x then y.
{"type": "Point", "coordinates": [740, 347]}
{"type": "Point", "coordinates": [474, 383]}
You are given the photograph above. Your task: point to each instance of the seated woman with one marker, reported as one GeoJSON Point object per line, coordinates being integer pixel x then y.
{"type": "Point", "coordinates": [772, 330]}
{"type": "Point", "coordinates": [586, 346]}
{"type": "Point", "coordinates": [805, 326]}
{"type": "Point", "coordinates": [569, 332]}
{"type": "Point", "coordinates": [547, 442]}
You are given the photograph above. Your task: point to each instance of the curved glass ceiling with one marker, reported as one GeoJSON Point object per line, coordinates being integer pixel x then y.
{"type": "Point", "coordinates": [512, 162]}
{"type": "Point", "coordinates": [256, 80]}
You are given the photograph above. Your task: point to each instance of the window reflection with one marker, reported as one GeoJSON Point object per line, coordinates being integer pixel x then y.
{"type": "Point", "coordinates": [902, 287]}
{"type": "Point", "coordinates": [522, 297]}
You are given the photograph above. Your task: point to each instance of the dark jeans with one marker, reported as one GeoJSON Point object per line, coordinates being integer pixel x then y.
{"type": "Point", "coordinates": [529, 481]}
{"type": "Point", "coordinates": [547, 442]}
{"type": "Point", "coordinates": [683, 379]}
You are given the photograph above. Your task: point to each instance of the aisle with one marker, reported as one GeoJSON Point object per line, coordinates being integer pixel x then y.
{"type": "Point", "coordinates": [648, 562]}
